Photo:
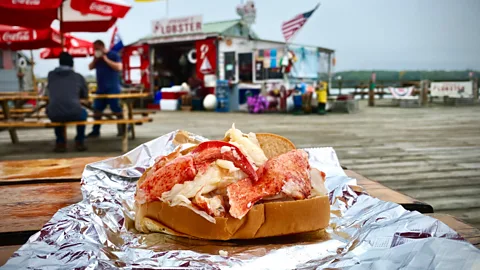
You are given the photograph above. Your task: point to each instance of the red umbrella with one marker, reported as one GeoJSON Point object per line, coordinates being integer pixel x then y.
{"type": "Point", "coordinates": [75, 15]}
{"type": "Point", "coordinates": [20, 38]}
{"type": "Point", "coordinates": [113, 8]}
{"type": "Point", "coordinates": [76, 47]}
{"type": "Point", "coordinates": [32, 5]}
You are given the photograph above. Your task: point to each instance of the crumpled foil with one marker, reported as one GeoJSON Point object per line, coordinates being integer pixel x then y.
{"type": "Point", "coordinates": [364, 232]}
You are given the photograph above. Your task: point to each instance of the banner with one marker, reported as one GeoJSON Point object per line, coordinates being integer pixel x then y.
{"type": "Point", "coordinates": [177, 26]}
{"type": "Point", "coordinates": [451, 89]}
{"type": "Point", "coordinates": [206, 57]}
{"type": "Point", "coordinates": [307, 62]}
{"type": "Point", "coordinates": [401, 92]}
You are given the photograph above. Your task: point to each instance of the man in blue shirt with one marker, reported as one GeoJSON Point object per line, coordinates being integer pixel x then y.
{"type": "Point", "coordinates": [108, 66]}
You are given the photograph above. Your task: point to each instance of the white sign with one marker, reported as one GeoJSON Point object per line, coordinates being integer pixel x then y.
{"type": "Point", "coordinates": [451, 89]}
{"type": "Point", "coordinates": [177, 26]}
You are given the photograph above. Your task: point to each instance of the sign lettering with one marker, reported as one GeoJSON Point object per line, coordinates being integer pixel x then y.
{"type": "Point", "coordinates": [16, 36]}
{"type": "Point", "coordinates": [26, 2]}
{"type": "Point", "coordinates": [451, 89]}
{"type": "Point", "coordinates": [104, 9]}
{"type": "Point", "coordinates": [177, 26]}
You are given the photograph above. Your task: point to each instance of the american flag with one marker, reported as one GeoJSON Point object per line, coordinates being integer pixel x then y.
{"type": "Point", "coordinates": [289, 28]}
{"type": "Point", "coordinates": [116, 43]}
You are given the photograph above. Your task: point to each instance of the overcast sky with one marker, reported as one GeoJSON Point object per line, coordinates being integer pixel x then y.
{"type": "Point", "coordinates": [366, 34]}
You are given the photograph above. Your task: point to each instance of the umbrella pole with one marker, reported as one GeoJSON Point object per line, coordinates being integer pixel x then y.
{"type": "Point", "coordinates": [34, 83]}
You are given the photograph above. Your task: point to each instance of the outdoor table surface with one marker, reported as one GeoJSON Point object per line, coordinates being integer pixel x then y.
{"type": "Point", "coordinates": [31, 192]}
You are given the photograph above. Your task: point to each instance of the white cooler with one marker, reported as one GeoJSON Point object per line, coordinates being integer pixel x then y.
{"type": "Point", "coordinates": [168, 104]}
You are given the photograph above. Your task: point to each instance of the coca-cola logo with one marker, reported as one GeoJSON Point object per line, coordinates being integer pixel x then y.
{"type": "Point", "coordinates": [105, 9]}
{"type": "Point", "coordinates": [16, 36]}
{"type": "Point", "coordinates": [82, 51]}
{"type": "Point", "coordinates": [26, 2]}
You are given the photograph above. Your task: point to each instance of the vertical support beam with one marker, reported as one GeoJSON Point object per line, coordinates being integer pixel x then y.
{"type": "Point", "coordinates": [475, 89]}
{"type": "Point", "coordinates": [424, 93]}
{"type": "Point", "coordinates": [125, 129]}
{"type": "Point", "coordinates": [329, 70]}
{"type": "Point", "coordinates": [130, 116]}
{"type": "Point", "coordinates": [6, 117]}
{"type": "Point", "coordinates": [152, 69]}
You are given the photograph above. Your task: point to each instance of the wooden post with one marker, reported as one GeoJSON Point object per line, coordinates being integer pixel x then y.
{"type": "Point", "coordinates": [125, 130]}
{"type": "Point", "coordinates": [130, 116]}
{"type": "Point", "coordinates": [424, 92]}
{"type": "Point", "coordinates": [371, 94]}
{"type": "Point", "coordinates": [340, 87]}
{"type": "Point", "coordinates": [475, 89]}
{"type": "Point", "coordinates": [6, 116]}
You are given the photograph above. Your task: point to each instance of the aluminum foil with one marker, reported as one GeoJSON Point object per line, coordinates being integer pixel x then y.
{"type": "Point", "coordinates": [364, 232]}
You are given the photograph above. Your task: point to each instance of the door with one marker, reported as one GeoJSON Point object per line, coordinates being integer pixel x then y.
{"type": "Point", "coordinates": [136, 65]}
{"type": "Point", "coordinates": [245, 67]}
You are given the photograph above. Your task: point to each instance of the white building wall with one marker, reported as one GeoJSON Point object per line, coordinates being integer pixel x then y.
{"type": "Point", "coordinates": [241, 45]}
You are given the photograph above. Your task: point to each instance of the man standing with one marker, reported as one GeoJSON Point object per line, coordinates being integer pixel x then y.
{"type": "Point", "coordinates": [108, 66]}
{"type": "Point", "coordinates": [65, 89]}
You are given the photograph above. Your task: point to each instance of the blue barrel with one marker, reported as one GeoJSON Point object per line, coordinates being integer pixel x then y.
{"type": "Point", "coordinates": [297, 101]}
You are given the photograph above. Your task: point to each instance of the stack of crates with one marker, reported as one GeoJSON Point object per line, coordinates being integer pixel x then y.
{"type": "Point", "coordinates": [222, 93]}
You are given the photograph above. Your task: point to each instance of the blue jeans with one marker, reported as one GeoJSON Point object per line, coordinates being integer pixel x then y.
{"type": "Point", "coordinates": [80, 130]}
{"type": "Point", "coordinates": [99, 105]}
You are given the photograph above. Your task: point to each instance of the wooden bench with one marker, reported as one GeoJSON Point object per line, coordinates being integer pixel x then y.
{"type": "Point", "coordinates": [42, 115]}
{"type": "Point", "coordinates": [48, 124]}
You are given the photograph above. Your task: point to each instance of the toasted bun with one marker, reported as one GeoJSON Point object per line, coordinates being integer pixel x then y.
{"type": "Point", "coordinates": [274, 145]}
{"type": "Point", "coordinates": [263, 220]}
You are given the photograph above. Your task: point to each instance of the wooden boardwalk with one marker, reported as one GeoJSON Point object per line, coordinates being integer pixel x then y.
{"type": "Point", "coordinates": [431, 154]}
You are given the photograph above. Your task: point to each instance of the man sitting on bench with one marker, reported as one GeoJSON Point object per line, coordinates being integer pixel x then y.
{"type": "Point", "coordinates": [65, 89]}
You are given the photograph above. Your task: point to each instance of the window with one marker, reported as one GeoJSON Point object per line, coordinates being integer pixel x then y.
{"type": "Point", "coordinates": [267, 64]}
{"type": "Point", "coordinates": [245, 71]}
{"type": "Point", "coordinates": [229, 66]}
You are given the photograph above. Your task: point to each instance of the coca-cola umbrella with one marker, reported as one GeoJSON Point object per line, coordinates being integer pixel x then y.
{"type": "Point", "coordinates": [19, 38]}
{"type": "Point", "coordinates": [74, 15]}
{"type": "Point", "coordinates": [37, 14]}
{"type": "Point", "coordinates": [76, 47]}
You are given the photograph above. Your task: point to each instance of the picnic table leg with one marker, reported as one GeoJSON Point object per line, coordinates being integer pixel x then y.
{"type": "Point", "coordinates": [130, 116]}
{"type": "Point", "coordinates": [125, 130]}
{"type": "Point", "coordinates": [6, 117]}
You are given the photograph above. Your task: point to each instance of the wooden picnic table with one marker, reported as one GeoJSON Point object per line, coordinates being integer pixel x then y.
{"type": "Point", "coordinates": [32, 192]}
{"type": "Point", "coordinates": [127, 99]}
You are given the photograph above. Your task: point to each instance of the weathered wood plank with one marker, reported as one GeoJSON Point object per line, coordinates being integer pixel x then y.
{"type": "Point", "coordinates": [29, 207]}
{"type": "Point", "coordinates": [424, 175]}
{"type": "Point", "coordinates": [407, 185]}
{"type": "Point", "coordinates": [44, 169]}
{"type": "Point", "coordinates": [453, 203]}
{"type": "Point", "coordinates": [6, 252]}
